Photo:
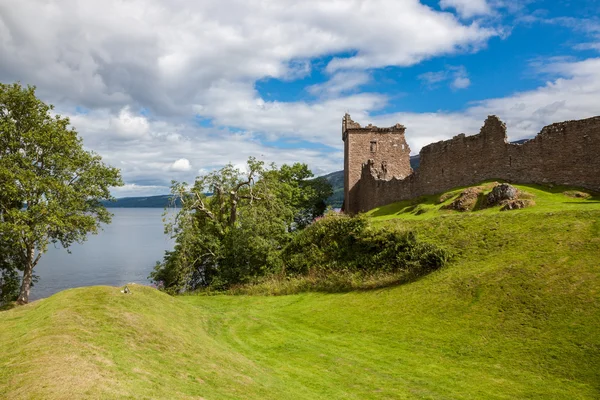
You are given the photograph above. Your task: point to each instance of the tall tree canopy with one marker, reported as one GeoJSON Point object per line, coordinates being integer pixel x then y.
{"type": "Point", "coordinates": [233, 224]}
{"type": "Point", "coordinates": [51, 186]}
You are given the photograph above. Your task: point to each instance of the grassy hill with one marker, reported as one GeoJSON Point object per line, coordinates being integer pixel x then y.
{"type": "Point", "coordinates": [515, 315]}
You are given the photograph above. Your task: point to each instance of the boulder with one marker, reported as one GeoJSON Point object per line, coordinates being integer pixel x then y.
{"type": "Point", "coordinates": [466, 200]}
{"type": "Point", "coordinates": [501, 193]}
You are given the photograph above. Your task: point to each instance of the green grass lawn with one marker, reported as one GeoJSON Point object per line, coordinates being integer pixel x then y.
{"type": "Point", "coordinates": [557, 198]}
{"type": "Point", "coordinates": [516, 314]}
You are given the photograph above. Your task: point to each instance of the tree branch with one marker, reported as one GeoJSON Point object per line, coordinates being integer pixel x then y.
{"type": "Point", "coordinates": [235, 197]}
{"type": "Point", "coordinates": [37, 259]}
{"type": "Point", "coordinates": [199, 205]}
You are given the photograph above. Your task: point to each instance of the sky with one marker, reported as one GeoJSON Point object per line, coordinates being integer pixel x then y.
{"type": "Point", "coordinates": [172, 89]}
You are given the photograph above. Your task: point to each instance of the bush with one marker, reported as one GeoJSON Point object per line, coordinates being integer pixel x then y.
{"type": "Point", "coordinates": [10, 284]}
{"type": "Point", "coordinates": [10, 281]}
{"type": "Point", "coordinates": [342, 243]}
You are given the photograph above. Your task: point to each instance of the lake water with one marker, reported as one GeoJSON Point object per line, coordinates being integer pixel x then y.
{"type": "Point", "coordinates": [125, 251]}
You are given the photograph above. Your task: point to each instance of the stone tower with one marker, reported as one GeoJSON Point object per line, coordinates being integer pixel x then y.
{"type": "Point", "coordinates": [384, 149]}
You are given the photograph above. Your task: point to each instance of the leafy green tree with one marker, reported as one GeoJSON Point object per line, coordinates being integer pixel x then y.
{"type": "Point", "coordinates": [9, 260]}
{"type": "Point", "coordinates": [235, 233]}
{"type": "Point", "coordinates": [51, 186]}
{"type": "Point", "coordinates": [9, 274]}
{"type": "Point", "coordinates": [308, 196]}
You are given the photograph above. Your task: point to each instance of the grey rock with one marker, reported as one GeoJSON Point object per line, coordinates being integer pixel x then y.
{"type": "Point", "coordinates": [500, 193]}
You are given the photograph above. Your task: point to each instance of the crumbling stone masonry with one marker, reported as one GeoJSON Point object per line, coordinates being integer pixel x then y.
{"type": "Point", "coordinates": [377, 164]}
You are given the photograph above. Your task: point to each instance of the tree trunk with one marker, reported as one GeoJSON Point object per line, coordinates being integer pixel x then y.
{"type": "Point", "coordinates": [27, 277]}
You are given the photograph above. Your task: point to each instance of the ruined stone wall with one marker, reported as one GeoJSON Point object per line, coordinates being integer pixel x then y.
{"type": "Point", "coordinates": [385, 147]}
{"type": "Point", "coordinates": [566, 153]}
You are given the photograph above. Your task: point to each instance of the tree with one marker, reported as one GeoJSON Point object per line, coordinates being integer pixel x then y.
{"type": "Point", "coordinates": [9, 263]}
{"type": "Point", "coordinates": [9, 275]}
{"type": "Point", "coordinates": [235, 233]}
{"type": "Point", "coordinates": [308, 196]}
{"type": "Point", "coordinates": [51, 186]}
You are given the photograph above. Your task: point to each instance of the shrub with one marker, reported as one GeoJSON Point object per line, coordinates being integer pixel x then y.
{"type": "Point", "coordinates": [10, 284]}
{"type": "Point", "coordinates": [342, 243]}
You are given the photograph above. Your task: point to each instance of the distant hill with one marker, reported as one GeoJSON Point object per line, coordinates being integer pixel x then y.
{"type": "Point", "coordinates": [415, 161]}
{"type": "Point", "coordinates": [161, 201]}
{"type": "Point", "coordinates": [336, 180]}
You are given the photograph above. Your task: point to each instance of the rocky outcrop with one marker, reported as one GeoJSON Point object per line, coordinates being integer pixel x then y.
{"type": "Point", "coordinates": [466, 200]}
{"type": "Point", "coordinates": [500, 193]}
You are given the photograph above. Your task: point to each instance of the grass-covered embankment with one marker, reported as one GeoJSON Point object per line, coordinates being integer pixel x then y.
{"type": "Point", "coordinates": [515, 315]}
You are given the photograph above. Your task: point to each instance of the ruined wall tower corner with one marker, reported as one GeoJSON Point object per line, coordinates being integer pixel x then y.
{"type": "Point", "coordinates": [385, 149]}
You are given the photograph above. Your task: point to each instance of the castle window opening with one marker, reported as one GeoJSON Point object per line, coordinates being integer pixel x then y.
{"type": "Point", "coordinates": [373, 146]}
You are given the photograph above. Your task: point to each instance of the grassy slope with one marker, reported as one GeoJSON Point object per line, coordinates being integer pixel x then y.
{"type": "Point", "coordinates": [427, 207]}
{"type": "Point", "coordinates": [516, 315]}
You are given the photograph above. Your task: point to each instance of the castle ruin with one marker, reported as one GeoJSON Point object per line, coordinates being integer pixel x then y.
{"type": "Point", "coordinates": [377, 161]}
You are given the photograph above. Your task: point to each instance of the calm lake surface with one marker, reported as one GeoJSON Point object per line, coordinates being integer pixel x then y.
{"type": "Point", "coordinates": [125, 251]}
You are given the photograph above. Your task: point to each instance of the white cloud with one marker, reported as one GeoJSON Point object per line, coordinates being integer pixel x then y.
{"type": "Point", "coordinates": [457, 75]}
{"type": "Point", "coordinates": [236, 105]}
{"type": "Point", "coordinates": [460, 77]}
{"type": "Point", "coordinates": [589, 27]}
{"type": "Point", "coordinates": [129, 126]}
{"type": "Point", "coordinates": [588, 46]}
{"type": "Point", "coordinates": [165, 56]}
{"type": "Point", "coordinates": [461, 82]}
{"type": "Point", "coordinates": [181, 165]}
{"type": "Point", "coordinates": [467, 8]}
{"type": "Point", "coordinates": [431, 78]}
{"type": "Point", "coordinates": [149, 162]}
{"type": "Point", "coordinates": [575, 94]}
{"type": "Point", "coordinates": [339, 83]}
{"type": "Point", "coordinates": [185, 58]}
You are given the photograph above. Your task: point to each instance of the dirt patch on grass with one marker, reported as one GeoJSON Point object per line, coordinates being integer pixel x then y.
{"type": "Point", "coordinates": [466, 200]}
{"type": "Point", "coordinates": [577, 194]}
{"type": "Point", "coordinates": [516, 204]}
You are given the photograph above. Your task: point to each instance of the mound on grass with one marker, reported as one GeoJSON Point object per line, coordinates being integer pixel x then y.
{"type": "Point", "coordinates": [465, 201]}
{"type": "Point", "coordinates": [530, 198]}
{"type": "Point", "coordinates": [515, 315]}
